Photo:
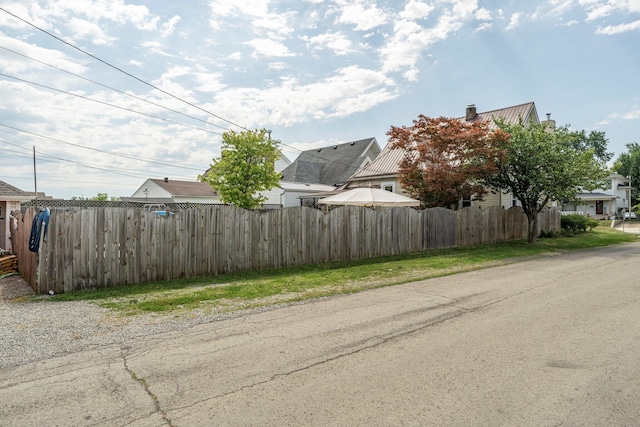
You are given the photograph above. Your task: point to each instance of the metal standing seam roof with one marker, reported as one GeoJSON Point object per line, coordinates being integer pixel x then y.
{"type": "Point", "coordinates": [386, 164]}
{"type": "Point", "coordinates": [185, 188]}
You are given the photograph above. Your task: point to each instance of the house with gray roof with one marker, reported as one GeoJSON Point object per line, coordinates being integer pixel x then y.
{"type": "Point", "coordinates": [383, 171]}
{"type": "Point", "coordinates": [332, 165]}
{"type": "Point", "coordinates": [173, 191]}
{"type": "Point", "coordinates": [10, 199]}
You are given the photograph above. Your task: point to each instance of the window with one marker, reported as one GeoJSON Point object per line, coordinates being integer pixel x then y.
{"type": "Point", "coordinates": [388, 186]}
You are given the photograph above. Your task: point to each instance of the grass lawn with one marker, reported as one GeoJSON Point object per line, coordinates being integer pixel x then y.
{"type": "Point", "coordinates": [259, 288]}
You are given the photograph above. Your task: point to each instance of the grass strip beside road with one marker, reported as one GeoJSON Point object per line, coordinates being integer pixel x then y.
{"type": "Point", "coordinates": [253, 289]}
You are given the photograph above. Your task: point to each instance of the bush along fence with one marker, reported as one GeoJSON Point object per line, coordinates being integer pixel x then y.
{"type": "Point", "coordinates": [104, 247]}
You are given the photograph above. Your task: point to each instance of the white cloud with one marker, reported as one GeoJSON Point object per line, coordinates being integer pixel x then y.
{"type": "Point", "coordinates": [12, 63]}
{"type": "Point", "coordinates": [483, 15]}
{"type": "Point", "coordinates": [274, 25]}
{"type": "Point", "coordinates": [262, 21]}
{"type": "Point", "coordinates": [364, 18]}
{"type": "Point", "coordinates": [336, 42]}
{"type": "Point", "coordinates": [85, 30]}
{"type": "Point", "coordinates": [560, 7]}
{"type": "Point", "coordinates": [168, 82]}
{"type": "Point", "coordinates": [570, 23]}
{"type": "Point", "coordinates": [94, 11]}
{"type": "Point", "coordinates": [351, 90]}
{"type": "Point", "coordinates": [209, 82]}
{"type": "Point", "coordinates": [268, 48]}
{"type": "Point", "coordinates": [277, 65]}
{"type": "Point", "coordinates": [409, 40]}
{"type": "Point", "coordinates": [617, 29]}
{"type": "Point", "coordinates": [599, 12]}
{"type": "Point", "coordinates": [155, 47]}
{"type": "Point", "coordinates": [464, 9]}
{"type": "Point", "coordinates": [632, 115]}
{"type": "Point", "coordinates": [484, 27]}
{"type": "Point", "coordinates": [514, 21]}
{"type": "Point", "coordinates": [167, 28]}
{"type": "Point", "coordinates": [415, 9]}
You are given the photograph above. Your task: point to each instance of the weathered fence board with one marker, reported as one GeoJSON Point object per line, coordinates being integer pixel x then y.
{"type": "Point", "coordinates": [102, 247]}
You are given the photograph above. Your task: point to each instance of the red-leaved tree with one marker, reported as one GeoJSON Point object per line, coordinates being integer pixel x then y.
{"type": "Point", "coordinates": [445, 159]}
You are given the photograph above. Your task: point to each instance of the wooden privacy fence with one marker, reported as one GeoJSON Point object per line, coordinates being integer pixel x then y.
{"type": "Point", "coordinates": [103, 247]}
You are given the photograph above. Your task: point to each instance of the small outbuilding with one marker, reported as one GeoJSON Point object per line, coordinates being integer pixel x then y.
{"type": "Point", "coordinates": [10, 199]}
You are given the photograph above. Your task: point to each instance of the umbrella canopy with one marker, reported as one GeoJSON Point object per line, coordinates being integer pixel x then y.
{"type": "Point", "coordinates": [369, 197]}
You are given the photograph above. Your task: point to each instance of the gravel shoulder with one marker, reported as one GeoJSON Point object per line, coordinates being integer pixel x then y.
{"type": "Point", "coordinates": [39, 329]}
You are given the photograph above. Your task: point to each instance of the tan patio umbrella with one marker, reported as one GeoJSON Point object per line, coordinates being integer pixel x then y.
{"type": "Point", "coordinates": [364, 196]}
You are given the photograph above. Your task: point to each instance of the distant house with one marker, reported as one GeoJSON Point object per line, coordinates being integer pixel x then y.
{"type": "Point", "coordinates": [10, 199]}
{"type": "Point", "coordinates": [612, 200]}
{"type": "Point", "coordinates": [282, 163]}
{"type": "Point", "coordinates": [332, 165]}
{"type": "Point", "coordinates": [289, 194]}
{"type": "Point", "coordinates": [321, 170]}
{"type": "Point", "coordinates": [383, 171]}
{"type": "Point", "coordinates": [171, 191]}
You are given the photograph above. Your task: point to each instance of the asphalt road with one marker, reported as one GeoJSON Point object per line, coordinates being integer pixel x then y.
{"type": "Point", "coordinates": [548, 342]}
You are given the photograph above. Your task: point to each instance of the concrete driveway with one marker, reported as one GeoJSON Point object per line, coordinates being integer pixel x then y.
{"type": "Point", "coordinates": [552, 341]}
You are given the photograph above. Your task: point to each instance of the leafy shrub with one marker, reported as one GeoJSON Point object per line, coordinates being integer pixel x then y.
{"type": "Point", "coordinates": [577, 223]}
{"type": "Point", "coordinates": [548, 234]}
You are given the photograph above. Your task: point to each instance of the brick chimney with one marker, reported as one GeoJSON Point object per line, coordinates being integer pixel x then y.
{"type": "Point", "coordinates": [471, 112]}
{"type": "Point", "coordinates": [549, 123]}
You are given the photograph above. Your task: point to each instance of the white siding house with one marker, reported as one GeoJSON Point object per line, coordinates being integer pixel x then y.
{"type": "Point", "coordinates": [171, 191]}
{"type": "Point", "coordinates": [383, 171]}
{"type": "Point", "coordinates": [604, 203]}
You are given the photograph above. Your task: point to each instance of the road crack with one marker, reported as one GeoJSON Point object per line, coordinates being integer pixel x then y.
{"type": "Point", "coordinates": [147, 389]}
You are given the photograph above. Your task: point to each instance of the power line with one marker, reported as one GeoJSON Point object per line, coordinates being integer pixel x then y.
{"type": "Point", "coordinates": [108, 104]}
{"type": "Point", "coordinates": [142, 159]}
{"type": "Point", "coordinates": [76, 162]}
{"type": "Point", "coordinates": [111, 88]}
{"type": "Point", "coordinates": [60, 159]}
{"type": "Point", "coordinates": [122, 71]}
{"type": "Point", "coordinates": [141, 81]}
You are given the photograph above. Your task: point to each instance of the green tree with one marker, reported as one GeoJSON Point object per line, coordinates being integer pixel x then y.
{"type": "Point", "coordinates": [628, 164]}
{"type": "Point", "coordinates": [543, 165]}
{"type": "Point", "coordinates": [245, 167]}
{"type": "Point", "coordinates": [101, 197]}
{"type": "Point", "coordinates": [595, 140]}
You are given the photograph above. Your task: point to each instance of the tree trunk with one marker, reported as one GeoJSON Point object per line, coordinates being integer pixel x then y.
{"type": "Point", "coordinates": [532, 231]}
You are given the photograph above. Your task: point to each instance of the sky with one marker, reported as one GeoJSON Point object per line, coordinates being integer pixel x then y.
{"type": "Point", "coordinates": [109, 93]}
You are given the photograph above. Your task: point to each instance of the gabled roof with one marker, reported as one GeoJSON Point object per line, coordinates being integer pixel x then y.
{"type": "Point", "coordinates": [525, 111]}
{"type": "Point", "coordinates": [386, 164]}
{"type": "Point", "coordinates": [185, 188]}
{"type": "Point", "coordinates": [11, 191]}
{"type": "Point", "coordinates": [331, 165]}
